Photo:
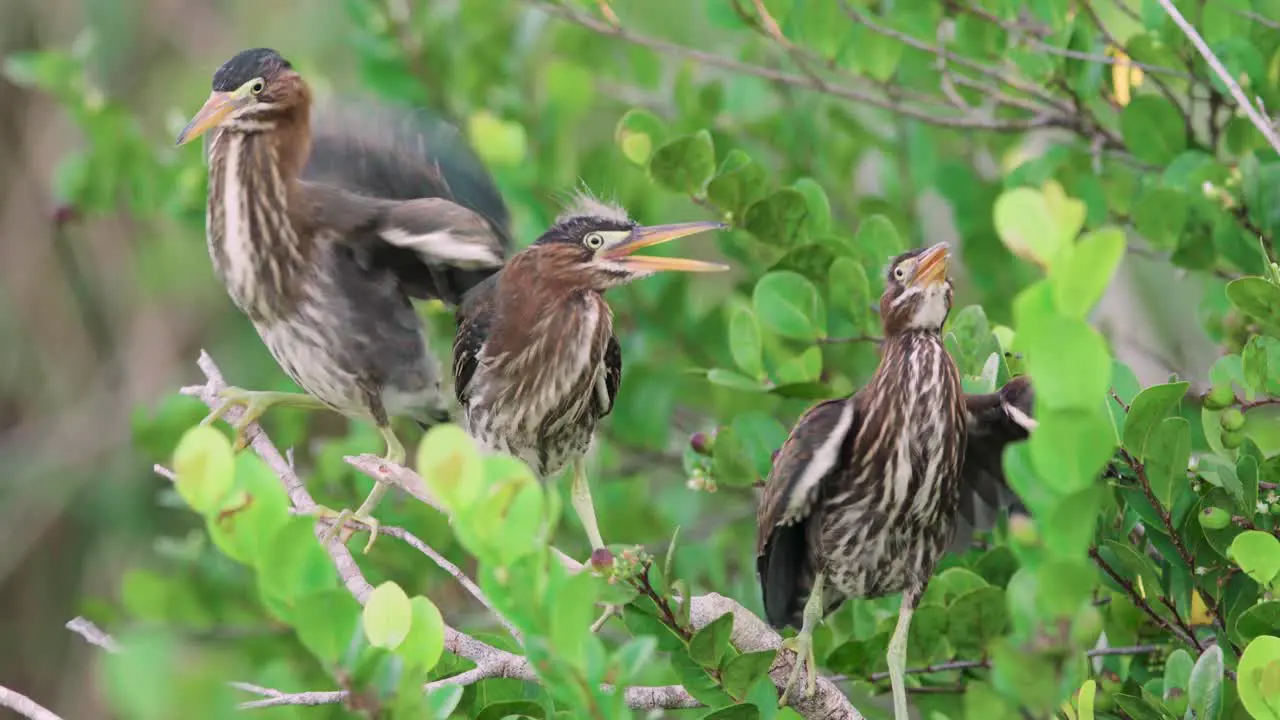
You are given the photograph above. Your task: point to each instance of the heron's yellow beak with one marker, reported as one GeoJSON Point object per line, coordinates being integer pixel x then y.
{"type": "Point", "coordinates": [931, 266]}
{"type": "Point", "coordinates": [643, 237]}
{"type": "Point", "coordinates": [215, 110]}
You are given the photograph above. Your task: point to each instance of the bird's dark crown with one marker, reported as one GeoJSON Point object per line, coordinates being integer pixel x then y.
{"type": "Point", "coordinates": [571, 230]}
{"type": "Point", "coordinates": [247, 65]}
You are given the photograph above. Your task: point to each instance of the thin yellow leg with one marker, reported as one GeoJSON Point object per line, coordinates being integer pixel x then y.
{"type": "Point", "coordinates": [255, 403]}
{"type": "Point", "coordinates": [364, 514]}
{"type": "Point", "coordinates": [802, 644]}
{"type": "Point", "coordinates": [581, 498]}
{"type": "Point", "coordinates": [897, 656]}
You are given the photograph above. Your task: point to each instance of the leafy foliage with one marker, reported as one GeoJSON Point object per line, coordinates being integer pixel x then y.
{"type": "Point", "coordinates": [1142, 583]}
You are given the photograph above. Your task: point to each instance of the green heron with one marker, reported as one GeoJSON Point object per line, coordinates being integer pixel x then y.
{"type": "Point", "coordinates": [323, 239]}
{"type": "Point", "coordinates": [868, 491]}
{"type": "Point", "coordinates": [536, 363]}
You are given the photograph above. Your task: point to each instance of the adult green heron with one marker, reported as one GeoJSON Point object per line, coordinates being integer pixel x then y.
{"type": "Point", "coordinates": [868, 491]}
{"type": "Point", "coordinates": [322, 240]}
{"type": "Point", "coordinates": [535, 361]}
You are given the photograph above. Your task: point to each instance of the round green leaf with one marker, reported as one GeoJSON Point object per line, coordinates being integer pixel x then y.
{"type": "Point", "coordinates": [1025, 225]}
{"type": "Point", "coordinates": [325, 621]}
{"type": "Point", "coordinates": [780, 219]}
{"type": "Point", "coordinates": [1081, 276]}
{"type": "Point", "coordinates": [451, 465]}
{"type": "Point", "coordinates": [205, 466]}
{"type": "Point", "coordinates": [737, 381]}
{"type": "Point", "coordinates": [1256, 298]}
{"type": "Point", "coordinates": [1258, 554]}
{"type": "Point", "coordinates": [637, 133]}
{"type": "Point", "coordinates": [498, 142]}
{"type": "Point", "coordinates": [849, 291]}
{"type": "Point", "coordinates": [424, 644]}
{"type": "Point", "coordinates": [387, 616]}
{"type": "Point", "coordinates": [819, 206]}
{"type": "Point", "coordinates": [1153, 129]}
{"type": "Point", "coordinates": [685, 164]}
{"type": "Point", "coordinates": [744, 341]}
{"type": "Point", "coordinates": [789, 305]}
{"type": "Point", "coordinates": [1259, 678]}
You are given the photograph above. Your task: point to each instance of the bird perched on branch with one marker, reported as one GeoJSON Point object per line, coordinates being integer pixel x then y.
{"type": "Point", "coordinates": [322, 239]}
{"type": "Point", "coordinates": [868, 491]}
{"type": "Point", "coordinates": [536, 363]}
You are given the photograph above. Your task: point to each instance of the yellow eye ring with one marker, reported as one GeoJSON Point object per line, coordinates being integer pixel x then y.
{"type": "Point", "coordinates": [593, 240]}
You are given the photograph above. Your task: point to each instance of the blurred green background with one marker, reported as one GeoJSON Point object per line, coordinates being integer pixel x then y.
{"type": "Point", "coordinates": [107, 295]}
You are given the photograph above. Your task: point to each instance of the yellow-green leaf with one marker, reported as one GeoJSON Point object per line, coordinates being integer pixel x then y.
{"type": "Point", "coordinates": [205, 466]}
{"type": "Point", "coordinates": [387, 616]}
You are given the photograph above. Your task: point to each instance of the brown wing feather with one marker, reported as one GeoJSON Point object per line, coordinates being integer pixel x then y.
{"type": "Point", "coordinates": [473, 319]}
{"type": "Point", "coordinates": [995, 420]}
{"type": "Point", "coordinates": [815, 451]}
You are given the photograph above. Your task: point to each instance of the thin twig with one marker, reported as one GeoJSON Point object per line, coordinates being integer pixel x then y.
{"type": "Point", "coordinates": [1264, 125]}
{"type": "Point", "coordinates": [24, 705]}
{"type": "Point", "coordinates": [1142, 603]}
{"type": "Point", "coordinates": [93, 634]}
{"type": "Point", "coordinates": [975, 664]}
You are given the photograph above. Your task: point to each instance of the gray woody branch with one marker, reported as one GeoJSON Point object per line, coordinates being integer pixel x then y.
{"type": "Point", "coordinates": [750, 634]}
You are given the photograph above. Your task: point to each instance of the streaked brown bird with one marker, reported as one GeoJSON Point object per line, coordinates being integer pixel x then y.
{"type": "Point", "coordinates": [536, 363]}
{"type": "Point", "coordinates": [323, 238]}
{"type": "Point", "coordinates": [868, 491]}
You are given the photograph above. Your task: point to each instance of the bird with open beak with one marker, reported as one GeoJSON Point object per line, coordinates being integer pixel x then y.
{"type": "Point", "coordinates": [323, 239]}
{"type": "Point", "coordinates": [536, 362]}
{"type": "Point", "coordinates": [868, 491]}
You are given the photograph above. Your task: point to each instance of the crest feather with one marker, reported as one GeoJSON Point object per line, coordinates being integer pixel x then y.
{"type": "Point", "coordinates": [585, 204]}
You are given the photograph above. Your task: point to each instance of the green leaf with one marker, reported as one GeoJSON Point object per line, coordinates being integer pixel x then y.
{"type": "Point", "coordinates": [1147, 411]}
{"type": "Point", "coordinates": [1082, 276]}
{"type": "Point", "coordinates": [1258, 620]}
{"type": "Point", "coordinates": [387, 616]}
{"type": "Point", "coordinates": [1153, 129]}
{"type": "Point", "coordinates": [1204, 691]}
{"type": "Point", "coordinates": [707, 646]}
{"type": "Point", "coordinates": [1160, 215]}
{"type": "Point", "coordinates": [975, 618]}
{"type": "Point", "coordinates": [450, 463]}
{"type": "Point", "coordinates": [788, 304]}
{"type": "Point", "coordinates": [325, 622]}
{"type": "Point", "coordinates": [637, 133]}
{"type": "Point", "coordinates": [686, 164]}
{"type": "Point", "coordinates": [634, 657]}
{"type": "Point", "coordinates": [1177, 671]}
{"type": "Point", "coordinates": [741, 672]}
{"type": "Point", "coordinates": [1258, 554]}
{"type": "Point", "coordinates": [423, 646]}
{"type": "Point", "coordinates": [498, 141]}
{"type": "Point", "coordinates": [1257, 298]}
{"type": "Point", "coordinates": [1168, 450]}
{"type": "Point", "coordinates": [140, 679]}
{"type": "Point", "coordinates": [1069, 447]}
{"type": "Point", "coordinates": [805, 367]}
{"type": "Point", "coordinates": [741, 711]}
{"type": "Point", "coordinates": [818, 204]}
{"type": "Point", "coordinates": [1259, 678]}
{"type": "Point", "coordinates": [740, 182]}
{"type": "Point", "coordinates": [1068, 360]}
{"type": "Point", "coordinates": [1024, 223]}
{"type": "Point", "coordinates": [205, 467]}
{"type": "Point", "coordinates": [293, 564]}
{"type": "Point", "coordinates": [442, 701]}
{"type": "Point", "coordinates": [744, 341]}
{"type": "Point", "coordinates": [849, 292]}
{"type": "Point", "coordinates": [734, 380]}
{"type": "Point", "coordinates": [780, 219]}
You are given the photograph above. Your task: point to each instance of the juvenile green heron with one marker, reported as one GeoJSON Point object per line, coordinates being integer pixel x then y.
{"type": "Point", "coordinates": [321, 240]}
{"type": "Point", "coordinates": [536, 363]}
{"type": "Point", "coordinates": [868, 491]}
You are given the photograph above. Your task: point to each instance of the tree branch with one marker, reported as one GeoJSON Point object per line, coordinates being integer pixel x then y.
{"type": "Point", "coordinates": [1263, 124]}
{"type": "Point", "coordinates": [928, 115]}
{"type": "Point", "coordinates": [749, 634]}
{"type": "Point", "coordinates": [976, 664]}
{"type": "Point", "coordinates": [24, 705]}
{"type": "Point", "coordinates": [93, 634]}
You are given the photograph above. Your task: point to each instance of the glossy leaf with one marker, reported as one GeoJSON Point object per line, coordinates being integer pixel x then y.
{"type": "Point", "coordinates": [387, 616]}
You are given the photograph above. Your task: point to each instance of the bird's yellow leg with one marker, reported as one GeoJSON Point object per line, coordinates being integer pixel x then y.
{"type": "Point", "coordinates": [581, 498]}
{"type": "Point", "coordinates": [802, 644]}
{"type": "Point", "coordinates": [897, 655]}
{"type": "Point", "coordinates": [364, 514]}
{"type": "Point", "coordinates": [256, 402]}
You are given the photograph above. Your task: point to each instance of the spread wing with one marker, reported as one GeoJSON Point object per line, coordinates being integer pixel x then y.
{"type": "Point", "coordinates": [995, 420]}
{"type": "Point", "coordinates": [473, 318]}
{"type": "Point", "coordinates": [812, 455]}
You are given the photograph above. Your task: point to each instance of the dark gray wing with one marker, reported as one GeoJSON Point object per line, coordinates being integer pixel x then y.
{"type": "Point", "coordinates": [611, 380]}
{"type": "Point", "coordinates": [415, 161]}
{"type": "Point", "coordinates": [473, 318]}
{"type": "Point", "coordinates": [815, 451]}
{"type": "Point", "coordinates": [995, 420]}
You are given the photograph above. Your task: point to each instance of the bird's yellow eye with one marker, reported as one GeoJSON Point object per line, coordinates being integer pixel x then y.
{"type": "Point", "coordinates": [256, 87]}
{"type": "Point", "coordinates": [593, 240]}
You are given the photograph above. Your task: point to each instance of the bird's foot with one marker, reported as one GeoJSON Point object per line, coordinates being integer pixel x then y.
{"type": "Point", "coordinates": [342, 521]}
{"type": "Point", "coordinates": [802, 646]}
{"type": "Point", "coordinates": [255, 403]}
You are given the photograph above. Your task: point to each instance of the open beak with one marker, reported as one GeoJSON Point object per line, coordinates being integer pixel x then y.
{"type": "Point", "coordinates": [931, 268]}
{"type": "Point", "coordinates": [643, 237]}
{"type": "Point", "coordinates": [216, 108]}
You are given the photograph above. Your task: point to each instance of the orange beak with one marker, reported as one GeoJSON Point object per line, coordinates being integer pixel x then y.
{"type": "Point", "coordinates": [643, 237]}
{"type": "Point", "coordinates": [215, 110]}
{"type": "Point", "coordinates": [931, 267]}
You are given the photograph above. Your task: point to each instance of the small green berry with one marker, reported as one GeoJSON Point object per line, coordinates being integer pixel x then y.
{"type": "Point", "coordinates": [1231, 439]}
{"type": "Point", "coordinates": [1219, 396]}
{"type": "Point", "coordinates": [1232, 419]}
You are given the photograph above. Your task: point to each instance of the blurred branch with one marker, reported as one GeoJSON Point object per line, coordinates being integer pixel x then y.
{"type": "Point", "coordinates": [750, 633]}
{"type": "Point", "coordinates": [928, 115]}
{"type": "Point", "coordinates": [24, 705]}
{"type": "Point", "coordinates": [93, 634]}
{"type": "Point", "coordinates": [1263, 124]}
{"type": "Point", "coordinates": [977, 664]}
{"type": "Point", "coordinates": [1141, 602]}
